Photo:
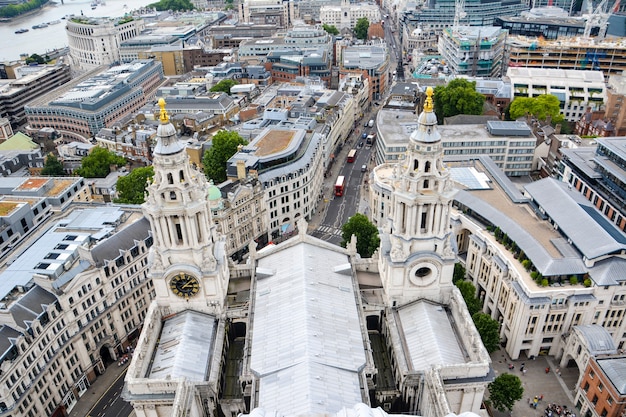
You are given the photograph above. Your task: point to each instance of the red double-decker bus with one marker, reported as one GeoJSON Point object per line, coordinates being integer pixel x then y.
{"type": "Point", "coordinates": [352, 155]}
{"type": "Point", "coordinates": [339, 186]}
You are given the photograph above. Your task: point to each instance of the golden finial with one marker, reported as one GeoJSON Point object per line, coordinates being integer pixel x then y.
{"type": "Point", "coordinates": [163, 116]}
{"type": "Point", "coordinates": [428, 104]}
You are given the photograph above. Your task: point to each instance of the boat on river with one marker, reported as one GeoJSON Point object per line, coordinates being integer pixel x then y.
{"type": "Point", "coordinates": [54, 22]}
{"type": "Point", "coordinates": [40, 26]}
{"type": "Point", "coordinates": [22, 30]}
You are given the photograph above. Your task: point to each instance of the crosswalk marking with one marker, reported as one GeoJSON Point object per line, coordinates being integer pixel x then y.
{"type": "Point", "coordinates": [329, 230]}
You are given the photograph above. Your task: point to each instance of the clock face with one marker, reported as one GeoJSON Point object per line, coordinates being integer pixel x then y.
{"type": "Point", "coordinates": [184, 285]}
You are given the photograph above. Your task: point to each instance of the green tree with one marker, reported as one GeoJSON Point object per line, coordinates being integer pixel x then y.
{"type": "Point", "coordinates": [541, 107]}
{"type": "Point", "coordinates": [52, 167]}
{"type": "Point", "coordinates": [98, 163]}
{"type": "Point", "coordinates": [489, 330]}
{"type": "Point", "coordinates": [504, 391]}
{"type": "Point", "coordinates": [332, 29]}
{"type": "Point", "coordinates": [35, 59]}
{"type": "Point", "coordinates": [132, 187]}
{"type": "Point", "coordinates": [174, 5]}
{"type": "Point", "coordinates": [458, 97]}
{"type": "Point", "coordinates": [13, 10]}
{"type": "Point", "coordinates": [459, 272]}
{"type": "Point", "coordinates": [367, 239]}
{"type": "Point", "coordinates": [361, 27]}
{"type": "Point", "coordinates": [224, 86]}
{"type": "Point", "coordinates": [468, 291]}
{"type": "Point", "coordinates": [224, 146]}
{"type": "Point", "coordinates": [229, 5]}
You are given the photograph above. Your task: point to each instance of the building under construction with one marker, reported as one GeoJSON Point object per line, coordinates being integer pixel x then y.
{"type": "Point", "coordinates": [475, 51]}
{"type": "Point", "coordinates": [580, 53]}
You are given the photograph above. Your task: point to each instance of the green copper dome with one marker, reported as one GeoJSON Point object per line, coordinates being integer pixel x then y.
{"type": "Point", "coordinates": [214, 192]}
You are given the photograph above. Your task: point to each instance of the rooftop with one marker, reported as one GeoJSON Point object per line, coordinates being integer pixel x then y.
{"type": "Point", "coordinates": [273, 141]}
{"type": "Point", "coordinates": [299, 290]}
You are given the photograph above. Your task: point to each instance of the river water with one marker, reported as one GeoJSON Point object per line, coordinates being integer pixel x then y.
{"type": "Point", "coordinates": [39, 41]}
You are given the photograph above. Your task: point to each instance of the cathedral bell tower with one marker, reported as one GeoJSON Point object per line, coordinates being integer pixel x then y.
{"type": "Point", "coordinates": [417, 256]}
{"type": "Point", "coordinates": [188, 262]}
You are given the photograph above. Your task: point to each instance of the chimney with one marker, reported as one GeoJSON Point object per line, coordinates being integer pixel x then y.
{"type": "Point", "coordinates": [241, 169]}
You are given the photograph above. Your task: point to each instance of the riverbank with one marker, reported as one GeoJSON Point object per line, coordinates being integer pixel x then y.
{"type": "Point", "coordinates": [29, 13]}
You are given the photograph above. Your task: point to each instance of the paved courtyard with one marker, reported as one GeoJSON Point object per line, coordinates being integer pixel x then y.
{"type": "Point", "coordinates": [536, 382]}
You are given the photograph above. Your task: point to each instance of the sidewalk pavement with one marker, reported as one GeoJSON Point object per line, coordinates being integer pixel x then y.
{"type": "Point", "coordinates": [97, 389]}
{"type": "Point", "coordinates": [556, 388]}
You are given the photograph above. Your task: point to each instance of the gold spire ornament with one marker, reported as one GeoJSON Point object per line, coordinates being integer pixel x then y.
{"type": "Point", "coordinates": [164, 118]}
{"type": "Point", "coordinates": [428, 104]}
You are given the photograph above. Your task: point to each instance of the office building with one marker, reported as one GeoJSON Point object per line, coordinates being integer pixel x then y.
{"type": "Point", "coordinates": [299, 38]}
{"type": "Point", "coordinates": [281, 13]}
{"type": "Point", "coordinates": [473, 51]}
{"type": "Point", "coordinates": [511, 145]}
{"type": "Point", "coordinates": [96, 42]}
{"type": "Point", "coordinates": [608, 56]}
{"type": "Point", "coordinates": [372, 61]}
{"type": "Point", "coordinates": [547, 27]}
{"type": "Point", "coordinates": [597, 172]}
{"type": "Point", "coordinates": [601, 389]}
{"type": "Point", "coordinates": [71, 303]}
{"type": "Point", "coordinates": [615, 111]}
{"type": "Point", "coordinates": [16, 93]}
{"type": "Point", "coordinates": [345, 15]}
{"type": "Point", "coordinates": [96, 100]}
{"type": "Point", "coordinates": [230, 36]}
{"type": "Point", "coordinates": [578, 91]}
{"type": "Point", "coordinates": [440, 14]}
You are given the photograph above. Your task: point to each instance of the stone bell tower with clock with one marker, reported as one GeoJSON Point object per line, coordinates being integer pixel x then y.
{"type": "Point", "coordinates": [416, 256]}
{"type": "Point", "coordinates": [188, 261]}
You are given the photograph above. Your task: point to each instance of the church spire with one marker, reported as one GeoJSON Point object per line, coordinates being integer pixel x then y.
{"type": "Point", "coordinates": [178, 208]}
{"type": "Point", "coordinates": [418, 233]}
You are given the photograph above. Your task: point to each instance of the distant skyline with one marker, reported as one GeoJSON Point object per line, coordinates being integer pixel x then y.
{"type": "Point", "coordinates": [39, 41]}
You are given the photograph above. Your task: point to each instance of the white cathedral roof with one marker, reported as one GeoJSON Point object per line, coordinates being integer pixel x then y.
{"type": "Point", "coordinates": [430, 338]}
{"type": "Point", "coordinates": [184, 348]}
{"type": "Point", "coordinates": [307, 343]}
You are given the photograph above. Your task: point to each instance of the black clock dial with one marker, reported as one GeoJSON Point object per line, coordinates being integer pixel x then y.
{"type": "Point", "coordinates": [184, 285]}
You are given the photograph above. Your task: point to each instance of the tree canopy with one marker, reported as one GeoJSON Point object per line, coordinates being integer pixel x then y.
{"type": "Point", "coordinates": [367, 239]}
{"type": "Point", "coordinates": [224, 146]}
{"type": "Point", "coordinates": [504, 391]}
{"type": "Point", "coordinates": [468, 291]}
{"type": "Point", "coordinates": [332, 29]}
{"type": "Point", "coordinates": [52, 167]}
{"type": "Point", "coordinates": [98, 163]}
{"type": "Point", "coordinates": [489, 330]}
{"type": "Point", "coordinates": [540, 107]}
{"type": "Point", "coordinates": [132, 187]}
{"type": "Point", "coordinates": [458, 97]}
{"type": "Point", "coordinates": [37, 59]}
{"type": "Point", "coordinates": [224, 86]}
{"type": "Point", "coordinates": [13, 10]}
{"type": "Point", "coordinates": [360, 29]}
{"type": "Point", "coordinates": [174, 5]}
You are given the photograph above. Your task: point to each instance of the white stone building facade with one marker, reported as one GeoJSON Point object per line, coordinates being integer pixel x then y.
{"type": "Point", "coordinates": [96, 42]}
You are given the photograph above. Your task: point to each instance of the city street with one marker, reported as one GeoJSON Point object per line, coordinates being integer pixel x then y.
{"type": "Point", "coordinates": [335, 211]}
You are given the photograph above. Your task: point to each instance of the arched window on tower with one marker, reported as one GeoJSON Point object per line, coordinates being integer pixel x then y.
{"type": "Point", "coordinates": [427, 167]}
{"type": "Point", "coordinates": [170, 178]}
{"type": "Point", "coordinates": [181, 174]}
{"type": "Point", "coordinates": [416, 164]}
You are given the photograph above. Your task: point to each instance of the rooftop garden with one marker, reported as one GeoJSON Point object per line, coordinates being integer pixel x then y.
{"type": "Point", "coordinates": [541, 280]}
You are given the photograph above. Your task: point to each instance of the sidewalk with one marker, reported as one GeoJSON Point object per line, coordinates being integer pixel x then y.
{"type": "Point", "coordinates": [97, 389]}
{"type": "Point", "coordinates": [555, 388]}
